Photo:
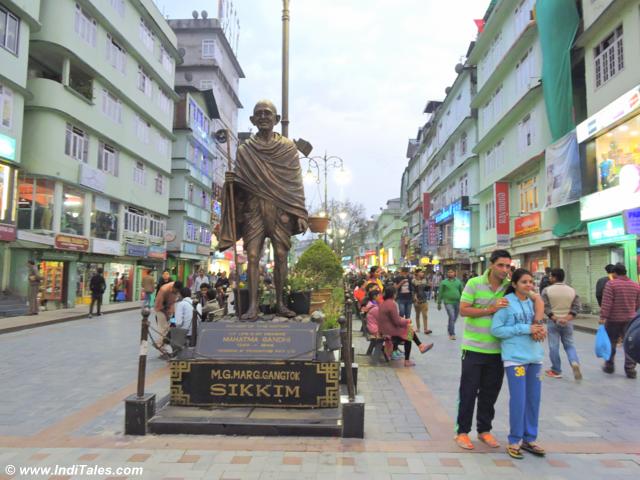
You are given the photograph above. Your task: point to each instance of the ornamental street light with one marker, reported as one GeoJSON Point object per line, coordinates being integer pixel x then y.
{"type": "Point", "coordinates": [327, 162]}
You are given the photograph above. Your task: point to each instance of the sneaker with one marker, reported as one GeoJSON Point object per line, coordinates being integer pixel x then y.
{"type": "Point", "coordinates": [631, 374]}
{"type": "Point", "coordinates": [463, 441]}
{"type": "Point", "coordinates": [488, 439]}
{"type": "Point", "coordinates": [452, 337]}
{"type": "Point", "coordinates": [552, 374]}
{"type": "Point", "coordinates": [577, 374]}
{"type": "Point", "coordinates": [396, 355]}
{"type": "Point", "coordinates": [608, 368]}
{"type": "Point", "coordinates": [424, 348]}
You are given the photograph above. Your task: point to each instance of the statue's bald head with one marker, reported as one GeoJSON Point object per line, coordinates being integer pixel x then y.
{"type": "Point", "coordinates": [264, 103]}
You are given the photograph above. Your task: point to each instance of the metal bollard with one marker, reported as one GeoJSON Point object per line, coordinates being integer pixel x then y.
{"type": "Point", "coordinates": [194, 325]}
{"type": "Point", "coordinates": [144, 347]}
{"type": "Point", "coordinates": [346, 357]}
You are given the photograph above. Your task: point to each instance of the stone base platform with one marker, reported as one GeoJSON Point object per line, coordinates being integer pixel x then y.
{"type": "Point", "coordinates": [251, 421]}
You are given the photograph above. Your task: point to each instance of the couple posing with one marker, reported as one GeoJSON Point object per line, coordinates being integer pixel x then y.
{"type": "Point", "coordinates": [503, 332]}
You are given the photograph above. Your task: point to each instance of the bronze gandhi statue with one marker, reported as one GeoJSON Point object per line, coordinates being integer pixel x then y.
{"type": "Point", "coordinates": [269, 202]}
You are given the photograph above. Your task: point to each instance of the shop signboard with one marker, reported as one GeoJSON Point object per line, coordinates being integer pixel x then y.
{"type": "Point", "coordinates": [462, 229]}
{"type": "Point", "coordinates": [632, 221]}
{"type": "Point", "coordinates": [7, 232]}
{"type": "Point", "coordinates": [607, 230]}
{"type": "Point", "coordinates": [501, 193]}
{"type": "Point", "coordinates": [433, 233]}
{"type": "Point", "coordinates": [7, 147]}
{"type": "Point", "coordinates": [426, 205]}
{"type": "Point", "coordinates": [619, 108]}
{"type": "Point", "coordinates": [562, 164]}
{"type": "Point", "coordinates": [156, 251]}
{"type": "Point", "coordinates": [64, 241]}
{"type": "Point", "coordinates": [446, 214]}
{"type": "Point", "coordinates": [92, 178]}
{"type": "Point", "coordinates": [608, 202]}
{"type": "Point", "coordinates": [134, 250]}
{"type": "Point", "coordinates": [34, 237]}
{"type": "Point", "coordinates": [107, 247]}
{"type": "Point", "coordinates": [203, 250]}
{"type": "Point", "coordinates": [528, 224]}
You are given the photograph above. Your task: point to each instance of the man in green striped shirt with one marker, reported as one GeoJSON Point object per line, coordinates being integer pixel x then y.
{"type": "Point", "coordinates": [482, 368]}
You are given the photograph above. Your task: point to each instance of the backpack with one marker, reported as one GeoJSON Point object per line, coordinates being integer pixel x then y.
{"type": "Point", "coordinates": [632, 339]}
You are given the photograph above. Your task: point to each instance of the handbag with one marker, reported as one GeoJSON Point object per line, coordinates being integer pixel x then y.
{"type": "Point", "coordinates": [120, 296]}
{"type": "Point", "coordinates": [603, 344]}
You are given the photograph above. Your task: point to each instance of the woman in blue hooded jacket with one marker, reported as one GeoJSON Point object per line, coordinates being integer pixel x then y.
{"type": "Point", "coordinates": [522, 354]}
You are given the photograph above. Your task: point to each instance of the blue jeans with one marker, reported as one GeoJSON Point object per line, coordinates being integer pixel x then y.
{"type": "Point", "coordinates": [452, 312]}
{"type": "Point", "coordinates": [525, 388]}
{"type": "Point", "coordinates": [405, 307]}
{"type": "Point", "coordinates": [556, 334]}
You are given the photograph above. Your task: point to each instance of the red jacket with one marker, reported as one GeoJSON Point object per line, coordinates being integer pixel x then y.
{"type": "Point", "coordinates": [620, 300]}
{"type": "Point", "coordinates": [389, 320]}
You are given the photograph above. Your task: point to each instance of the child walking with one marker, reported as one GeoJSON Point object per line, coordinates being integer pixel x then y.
{"type": "Point", "coordinates": [522, 354]}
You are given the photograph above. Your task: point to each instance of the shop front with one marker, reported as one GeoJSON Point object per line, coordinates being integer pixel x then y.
{"type": "Point", "coordinates": [8, 231]}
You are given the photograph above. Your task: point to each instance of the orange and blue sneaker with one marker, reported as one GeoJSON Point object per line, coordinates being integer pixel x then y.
{"type": "Point", "coordinates": [552, 374]}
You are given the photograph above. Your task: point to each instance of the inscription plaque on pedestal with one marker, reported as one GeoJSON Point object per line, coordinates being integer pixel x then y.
{"type": "Point", "coordinates": [251, 384]}
{"type": "Point", "coordinates": [257, 341]}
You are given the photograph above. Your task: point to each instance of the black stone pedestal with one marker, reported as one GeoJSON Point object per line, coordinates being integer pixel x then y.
{"type": "Point", "coordinates": [352, 417]}
{"type": "Point", "coordinates": [137, 412]}
{"type": "Point", "coordinates": [343, 374]}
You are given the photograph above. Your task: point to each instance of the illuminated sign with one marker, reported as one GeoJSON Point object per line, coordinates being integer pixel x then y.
{"type": "Point", "coordinates": [607, 230]}
{"type": "Point", "coordinates": [462, 229]}
{"type": "Point", "coordinates": [632, 221]}
{"type": "Point", "coordinates": [7, 147]}
{"type": "Point", "coordinates": [606, 117]}
{"type": "Point", "coordinates": [528, 224]}
{"type": "Point", "coordinates": [608, 202]}
{"type": "Point", "coordinates": [445, 214]}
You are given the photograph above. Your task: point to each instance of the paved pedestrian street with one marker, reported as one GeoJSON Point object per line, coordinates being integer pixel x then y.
{"type": "Point", "coordinates": [62, 407]}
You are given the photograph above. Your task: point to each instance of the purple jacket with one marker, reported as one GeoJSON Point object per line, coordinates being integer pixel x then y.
{"type": "Point", "coordinates": [389, 320]}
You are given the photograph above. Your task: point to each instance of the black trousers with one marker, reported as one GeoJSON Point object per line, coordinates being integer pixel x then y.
{"type": "Point", "coordinates": [407, 344]}
{"type": "Point", "coordinates": [481, 378]}
{"type": "Point", "coordinates": [95, 299]}
{"type": "Point", "coordinates": [615, 331]}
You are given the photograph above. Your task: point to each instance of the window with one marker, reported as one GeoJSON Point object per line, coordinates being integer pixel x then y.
{"type": "Point", "coordinates": [523, 15]}
{"type": "Point", "coordinates": [85, 26]}
{"type": "Point", "coordinates": [142, 130]}
{"type": "Point", "coordinates": [204, 200]}
{"type": "Point", "coordinates": [144, 82]}
{"type": "Point", "coordinates": [138, 173]}
{"type": "Point", "coordinates": [111, 106]}
{"type": "Point", "coordinates": [116, 55]}
{"type": "Point", "coordinates": [463, 143]}
{"type": "Point", "coordinates": [6, 106]}
{"type": "Point", "coordinates": [35, 204]}
{"type": "Point", "coordinates": [452, 157]}
{"type": "Point", "coordinates": [108, 159]}
{"type": "Point", "coordinates": [494, 157]}
{"type": "Point", "coordinates": [135, 221]}
{"type": "Point", "coordinates": [190, 191]}
{"type": "Point", "coordinates": [529, 195]}
{"type": "Point", "coordinates": [76, 144]}
{"type": "Point", "coordinates": [525, 72]}
{"type": "Point", "coordinates": [156, 227]}
{"type": "Point", "coordinates": [490, 215]}
{"type": "Point", "coordinates": [525, 132]}
{"type": "Point", "coordinates": [146, 35]}
{"type": "Point", "coordinates": [609, 57]}
{"type": "Point", "coordinates": [118, 5]}
{"type": "Point", "coordinates": [104, 218]}
{"type": "Point", "coordinates": [159, 183]}
{"type": "Point", "coordinates": [206, 84]}
{"type": "Point", "coordinates": [72, 211]}
{"type": "Point", "coordinates": [162, 144]}
{"type": "Point", "coordinates": [205, 236]}
{"type": "Point", "coordinates": [9, 25]}
{"type": "Point", "coordinates": [208, 48]}
{"type": "Point", "coordinates": [164, 102]}
{"type": "Point", "coordinates": [197, 118]}
{"type": "Point", "coordinates": [190, 231]}
{"type": "Point", "coordinates": [463, 182]}
{"type": "Point", "coordinates": [166, 60]}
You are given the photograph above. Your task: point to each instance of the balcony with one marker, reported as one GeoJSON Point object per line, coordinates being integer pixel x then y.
{"type": "Point", "coordinates": [193, 171]}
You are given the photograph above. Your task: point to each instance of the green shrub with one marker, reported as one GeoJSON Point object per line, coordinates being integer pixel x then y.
{"type": "Point", "coordinates": [323, 262]}
{"type": "Point", "coordinates": [333, 309]}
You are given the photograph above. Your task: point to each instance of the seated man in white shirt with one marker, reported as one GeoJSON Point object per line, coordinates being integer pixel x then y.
{"type": "Point", "coordinates": [184, 312]}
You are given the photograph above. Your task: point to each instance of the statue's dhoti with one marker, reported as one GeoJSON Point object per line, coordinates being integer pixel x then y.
{"type": "Point", "coordinates": [263, 219]}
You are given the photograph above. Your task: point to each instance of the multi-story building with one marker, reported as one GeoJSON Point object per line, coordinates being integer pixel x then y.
{"type": "Point", "coordinates": [389, 227]}
{"type": "Point", "coordinates": [191, 201]}
{"type": "Point", "coordinates": [96, 150]}
{"type": "Point", "coordinates": [610, 144]}
{"type": "Point", "coordinates": [18, 18]}
{"type": "Point", "coordinates": [513, 132]}
{"type": "Point", "coordinates": [442, 177]}
{"type": "Point", "coordinates": [210, 64]}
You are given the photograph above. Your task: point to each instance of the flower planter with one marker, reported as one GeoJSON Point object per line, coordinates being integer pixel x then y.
{"type": "Point", "coordinates": [318, 224]}
{"type": "Point", "coordinates": [320, 297]}
{"type": "Point", "coordinates": [244, 299]}
{"type": "Point", "coordinates": [300, 302]}
{"type": "Point", "coordinates": [325, 356]}
{"type": "Point", "coordinates": [316, 305]}
{"type": "Point", "coordinates": [332, 337]}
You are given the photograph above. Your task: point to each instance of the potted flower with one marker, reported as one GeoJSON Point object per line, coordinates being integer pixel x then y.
{"type": "Point", "coordinates": [318, 223]}
{"type": "Point", "coordinates": [299, 286]}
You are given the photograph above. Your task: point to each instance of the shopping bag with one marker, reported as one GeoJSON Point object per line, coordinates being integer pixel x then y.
{"type": "Point", "coordinates": [120, 297]}
{"type": "Point", "coordinates": [603, 344]}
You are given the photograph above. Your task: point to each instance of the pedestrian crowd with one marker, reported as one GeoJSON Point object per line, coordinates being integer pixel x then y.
{"type": "Point", "coordinates": [506, 321]}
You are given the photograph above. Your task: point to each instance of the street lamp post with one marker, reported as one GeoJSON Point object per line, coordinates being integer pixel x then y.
{"type": "Point", "coordinates": [331, 161]}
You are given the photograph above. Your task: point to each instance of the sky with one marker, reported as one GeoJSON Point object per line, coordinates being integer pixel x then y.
{"type": "Point", "coordinates": [361, 73]}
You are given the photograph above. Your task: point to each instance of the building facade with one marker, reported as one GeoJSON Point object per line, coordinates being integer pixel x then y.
{"type": "Point", "coordinates": [389, 227]}
{"type": "Point", "coordinates": [96, 149]}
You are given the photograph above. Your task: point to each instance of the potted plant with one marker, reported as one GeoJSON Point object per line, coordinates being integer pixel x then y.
{"type": "Point", "coordinates": [299, 286]}
{"type": "Point", "coordinates": [330, 327]}
{"type": "Point", "coordinates": [317, 223]}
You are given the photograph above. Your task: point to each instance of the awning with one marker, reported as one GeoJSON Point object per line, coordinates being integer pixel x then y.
{"type": "Point", "coordinates": [568, 220]}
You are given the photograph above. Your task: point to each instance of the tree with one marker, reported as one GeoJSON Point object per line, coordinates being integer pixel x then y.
{"type": "Point", "coordinates": [347, 225]}
{"type": "Point", "coordinates": [320, 260]}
